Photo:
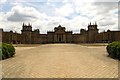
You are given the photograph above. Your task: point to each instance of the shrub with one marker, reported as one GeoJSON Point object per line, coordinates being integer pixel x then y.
{"type": "Point", "coordinates": [6, 50]}
{"type": "Point", "coordinates": [113, 50]}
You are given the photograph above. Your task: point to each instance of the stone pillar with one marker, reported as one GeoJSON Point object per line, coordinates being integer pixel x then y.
{"type": "Point", "coordinates": [64, 38]}
{"type": "Point", "coordinates": [61, 38]}
{"type": "Point", "coordinates": [55, 38]}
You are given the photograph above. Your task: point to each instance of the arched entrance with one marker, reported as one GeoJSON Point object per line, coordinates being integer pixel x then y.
{"type": "Point", "coordinates": [60, 38]}
{"type": "Point", "coordinates": [60, 34]}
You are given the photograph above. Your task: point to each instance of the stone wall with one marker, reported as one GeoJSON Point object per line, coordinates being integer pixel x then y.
{"type": "Point", "coordinates": [59, 36]}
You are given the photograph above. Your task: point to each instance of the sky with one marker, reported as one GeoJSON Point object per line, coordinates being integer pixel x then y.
{"type": "Point", "coordinates": [47, 14]}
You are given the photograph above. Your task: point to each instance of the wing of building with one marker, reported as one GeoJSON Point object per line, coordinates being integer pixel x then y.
{"type": "Point", "coordinates": [59, 35]}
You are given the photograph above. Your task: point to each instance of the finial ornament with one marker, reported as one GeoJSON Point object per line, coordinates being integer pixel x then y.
{"type": "Point", "coordinates": [95, 23]}
{"type": "Point", "coordinates": [23, 23]}
{"type": "Point", "coordinates": [59, 25]}
{"type": "Point", "coordinates": [90, 23]}
{"type": "Point", "coordinates": [29, 24]}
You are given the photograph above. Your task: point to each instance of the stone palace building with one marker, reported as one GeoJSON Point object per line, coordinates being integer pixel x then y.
{"type": "Point", "coordinates": [59, 35]}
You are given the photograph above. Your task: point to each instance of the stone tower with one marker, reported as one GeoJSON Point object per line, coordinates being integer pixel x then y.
{"type": "Point", "coordinates": [26, 33]}
{"type": "Point", "coordinates": [92, 32]}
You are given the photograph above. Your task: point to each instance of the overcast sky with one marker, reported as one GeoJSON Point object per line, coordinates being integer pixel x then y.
{"type": "Point", "coordinates": [47, 14]}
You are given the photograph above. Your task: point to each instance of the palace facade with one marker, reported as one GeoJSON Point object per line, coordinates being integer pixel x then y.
{"type": "Point", "coordinates": [59, 35]}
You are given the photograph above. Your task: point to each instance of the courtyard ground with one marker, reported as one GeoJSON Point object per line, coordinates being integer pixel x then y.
{"type": "Point", "coordinates": [60, 61]}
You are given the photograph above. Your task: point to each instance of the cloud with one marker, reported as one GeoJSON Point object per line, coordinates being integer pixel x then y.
{"type": "Point", "coordinates": [2, 1]}
{"type": "Point", "coordinates": [74, 15]}
{"type": "Point", "coordinates": [65, 10]}
{"type": "Point", "coordinates": [20, 13]}
{"type": "Point", "coordinates": [105, 7]}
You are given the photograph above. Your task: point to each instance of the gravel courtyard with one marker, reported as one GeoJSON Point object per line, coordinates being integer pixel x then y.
{"type": "Point", "coordinates": [60, 61]}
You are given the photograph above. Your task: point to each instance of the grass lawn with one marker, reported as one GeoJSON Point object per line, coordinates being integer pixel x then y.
{"type": "Point", "coordinates": [83, 44]}
{"type": "Point", "coordinates": [26, 45]}
{"type": "Point", "coordinates": [94, 44]}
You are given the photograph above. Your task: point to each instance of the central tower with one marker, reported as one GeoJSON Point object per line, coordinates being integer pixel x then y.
{"type": "Point", "coordinates": [26, 33]}
{"type": "Point", "coordinates": [59, 36]}
{"type": "Point", "coordinates": [92, 32]}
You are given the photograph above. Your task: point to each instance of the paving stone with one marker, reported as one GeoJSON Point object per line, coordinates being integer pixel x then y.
{"type": "Point", "coordinates": [60, 61]}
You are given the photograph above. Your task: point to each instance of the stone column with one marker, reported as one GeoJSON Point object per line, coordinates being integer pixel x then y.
{"type": "Point", "coordinates": [61, 38]}
{"type": "Point", "coordinates": [64, 38]}
{"type": "Point", "coordinates": [55, 38]}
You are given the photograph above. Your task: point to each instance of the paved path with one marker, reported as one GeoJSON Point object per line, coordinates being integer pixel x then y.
{"type": "Point", "coordinates": [60, 61]}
